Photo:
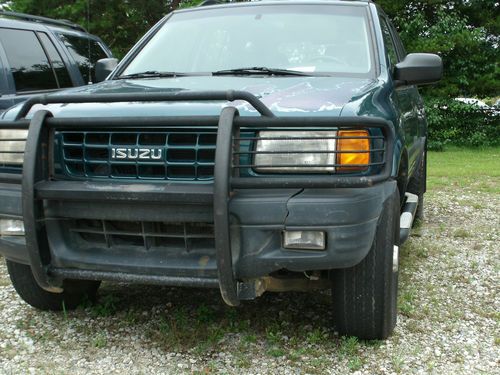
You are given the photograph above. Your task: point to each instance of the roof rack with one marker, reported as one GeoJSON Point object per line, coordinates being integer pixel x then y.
{"type": "Point", "coordinates": [40, 19]}
{"type": "Point", "coordinates": [218, 2]}
{"type": "Point", "coordinates": [212, 2]}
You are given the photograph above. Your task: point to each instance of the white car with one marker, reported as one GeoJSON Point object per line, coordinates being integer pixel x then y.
{"type": "Point", "coordinates": [473, 101]}
{"type": "Point", "coordinates": [482, 105]}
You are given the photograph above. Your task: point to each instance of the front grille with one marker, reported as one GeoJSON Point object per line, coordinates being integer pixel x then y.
{"type": "Point", "coordinates": [160, 155]}
{"type": "Point", "coordinates": [188, 237]}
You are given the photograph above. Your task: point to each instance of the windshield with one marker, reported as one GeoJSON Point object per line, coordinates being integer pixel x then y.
{"type": "Point", "coordinates": [313, 39]}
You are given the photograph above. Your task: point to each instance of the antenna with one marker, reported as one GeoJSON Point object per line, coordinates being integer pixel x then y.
{"type": "Point", "coordinates": [88, 43]}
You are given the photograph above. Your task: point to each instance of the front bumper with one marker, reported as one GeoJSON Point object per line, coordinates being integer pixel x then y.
{"type": "Point", "coordinates": [348, 216]}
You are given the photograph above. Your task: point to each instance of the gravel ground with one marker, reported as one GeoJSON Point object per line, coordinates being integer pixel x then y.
{"type": "Point", "coordinates": [448, 320]}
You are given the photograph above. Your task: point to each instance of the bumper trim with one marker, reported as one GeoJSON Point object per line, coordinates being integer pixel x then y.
{"type": "Point", "coordinates": [176, 281]}
{"type": "Point", "coordinates": [114, 191]}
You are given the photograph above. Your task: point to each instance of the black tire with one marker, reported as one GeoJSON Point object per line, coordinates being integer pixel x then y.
{"type": "Point", "coordinates": [365, 296]}
{"type": "Point", "coordinates": [75, 291]}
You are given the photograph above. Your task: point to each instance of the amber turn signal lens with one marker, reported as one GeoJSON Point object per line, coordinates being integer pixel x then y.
{"type": "Point", "coordinates": [353, 140]}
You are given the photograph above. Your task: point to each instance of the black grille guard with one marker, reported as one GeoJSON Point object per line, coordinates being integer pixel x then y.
{"type": "Point", "coordinates": [37, 185]}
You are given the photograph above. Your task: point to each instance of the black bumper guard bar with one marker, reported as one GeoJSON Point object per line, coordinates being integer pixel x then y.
{"type": "Point", "coordinates": [37, 184]}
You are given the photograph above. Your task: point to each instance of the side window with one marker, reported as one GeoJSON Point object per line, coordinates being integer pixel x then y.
{"type": "Point", "coordinates": [389, 43]}
{"type": "Point", "coordinates": [86, 52]}
{"type": "Point", "coordinates": [60, 69]}
{"type": "Point", "coordinates": [28, 63]}
{"type": "Point", "coordinates": [399, 43]}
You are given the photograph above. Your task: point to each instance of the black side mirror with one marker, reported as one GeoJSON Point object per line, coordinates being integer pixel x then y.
{"type": "Point", "coordinates": [104, 67]}
{"type": "Point", "coordinates": [419, 69]}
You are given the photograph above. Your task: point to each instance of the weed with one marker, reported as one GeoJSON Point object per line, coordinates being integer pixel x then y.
{"type": "Point", "coordinates": [181, 318]}
{"type": "Point", "coordinates": [250, 339]}
{"type": "Point", "coordinates": [317, 336]}
{"type": "Point", "coordinates": [131, 317]}
{"type": "Point", "coordinates": [348, 346]}
{"type": "Point", "coordinates": [373, 343]}
{"type": "Point", "coordinates": [397, 362]}
{"type": "Point", "coordinates": [163, 326]}
{"type": "Point", "coordinates": [295, 355]}
{"type": "Point", "coordinates": [65, 312]}
{"type": "Point", "coordinates": [407, 301]}
{"type": "Point", "coordinates": [100, 341]}
{"type": "Point", "coordinates": [242, 360]}
{"type": "Point", "coordinates": [354, 363]}
{"type": "Point", "coordinates": [275, 351]}
{"type": "Point", "coordinates": [205, 314]}
{"type": "Point", "coordinates": [461, 233]}
{"type": "Point", "coordinates": [107, 306]}
{"type": "Point", "coordinates": [273, 333]}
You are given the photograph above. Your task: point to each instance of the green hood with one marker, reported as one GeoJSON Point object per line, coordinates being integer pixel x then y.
{"type": "Point", "coordinates": [285, 96]}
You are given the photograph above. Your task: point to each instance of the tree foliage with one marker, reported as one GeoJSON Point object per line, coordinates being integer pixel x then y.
{"type": "Point", "coordinates": [456, 123]}
{"type": "Point", "coordinates": [466, 33]}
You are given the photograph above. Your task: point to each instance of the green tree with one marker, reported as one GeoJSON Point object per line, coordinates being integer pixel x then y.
{"type": "Point", "coordinates": [465, 33]}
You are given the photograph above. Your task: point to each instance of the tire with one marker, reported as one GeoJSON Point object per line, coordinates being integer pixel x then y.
{"type": "Point", "coordinates": [365, 296]}
{"type": "Point", "coordinates": [75, 291]}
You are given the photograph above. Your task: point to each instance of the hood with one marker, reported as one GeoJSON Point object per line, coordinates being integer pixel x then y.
{"type": "Point", "coordinates": [285, 96]}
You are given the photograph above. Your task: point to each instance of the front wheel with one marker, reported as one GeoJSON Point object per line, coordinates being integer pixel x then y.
{"type": "Point", "coordinates": [365, 296]}
{"type": "Point", "coordinates": [75, 291]}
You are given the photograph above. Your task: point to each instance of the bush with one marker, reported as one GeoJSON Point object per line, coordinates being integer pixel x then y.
{"type": "Point", "coordinates": [455, 123]}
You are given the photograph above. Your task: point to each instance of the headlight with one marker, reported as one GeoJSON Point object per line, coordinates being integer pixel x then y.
{"type": "Point", "coordinates": [287, 151]}
{"type": "Point", "coordinates": [12, 143]}
{"type": "Point", "coordinates": [312, 151]}
{"type": "Point", "coordinates": [11, 227]}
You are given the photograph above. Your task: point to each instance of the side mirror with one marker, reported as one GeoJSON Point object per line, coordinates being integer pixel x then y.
{"type": "Point", "coordinates": [104, 67]}
{"type": "Point", "coordinates": [419, 69]}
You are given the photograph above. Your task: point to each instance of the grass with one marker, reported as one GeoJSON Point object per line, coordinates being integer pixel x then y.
{"type": "Point", "coordinates": [458, 167]}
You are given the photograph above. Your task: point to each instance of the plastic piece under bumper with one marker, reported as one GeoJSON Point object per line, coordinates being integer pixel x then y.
{"type": "Point", "coordinates": [348, 216]}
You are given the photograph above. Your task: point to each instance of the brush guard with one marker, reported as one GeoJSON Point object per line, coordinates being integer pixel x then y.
{"type": "Point", "coordinates": [38, 184]}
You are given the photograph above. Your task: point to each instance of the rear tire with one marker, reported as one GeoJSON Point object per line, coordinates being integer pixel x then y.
{"type": "Point", "coordinates": [365, 296]}
{"type": "Point", "coordinates": [75, 291]}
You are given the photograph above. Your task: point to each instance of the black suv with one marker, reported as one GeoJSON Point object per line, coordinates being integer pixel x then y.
{"type": "Point", "coordinates": [39, 55]}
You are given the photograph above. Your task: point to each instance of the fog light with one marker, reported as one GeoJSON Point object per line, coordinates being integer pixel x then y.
{"type": "Point", "coordinates": [304, 240]}
{"type": "Point", "coordinates": [11, 227]}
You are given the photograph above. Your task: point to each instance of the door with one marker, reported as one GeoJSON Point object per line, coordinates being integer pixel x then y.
{"type": "Point", "coordinates": [404, 97]}
{"type": "Point", "coordinates": [33, 65]}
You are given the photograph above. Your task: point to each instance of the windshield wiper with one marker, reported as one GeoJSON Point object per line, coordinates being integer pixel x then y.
{"type": "Point", "coordinates": [260, 70]}
{"type": "Point", "coordinates": [152, 74]}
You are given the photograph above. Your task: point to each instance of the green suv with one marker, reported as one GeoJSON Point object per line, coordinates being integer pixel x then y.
{"type": "Point", "coordinates": [250, 147]}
